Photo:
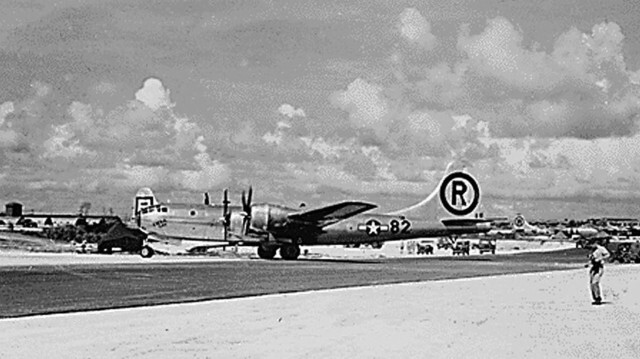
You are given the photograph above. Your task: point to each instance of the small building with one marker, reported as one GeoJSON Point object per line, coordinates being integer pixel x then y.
{"type": "Point", "coordinates": [13, 209]}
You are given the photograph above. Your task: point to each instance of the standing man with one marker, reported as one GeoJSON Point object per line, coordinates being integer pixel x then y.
{"type": "Point", "coordinates": [596, 259]}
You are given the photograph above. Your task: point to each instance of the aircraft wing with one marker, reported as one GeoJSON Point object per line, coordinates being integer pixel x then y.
{"type": "Point", "coordinates": [332, 213]}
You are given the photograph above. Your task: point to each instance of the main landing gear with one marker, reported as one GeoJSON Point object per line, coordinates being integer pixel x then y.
{"type": "Point", "coordinates": [146, 252]}
{"type": "Point", "coordinates": [287, 252]}
{"type": "Point", "coordinates": [267, 252]}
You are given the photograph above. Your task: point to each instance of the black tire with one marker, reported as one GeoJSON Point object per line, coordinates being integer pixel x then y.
{"type": "Point", "coordinates": [266, 253]}
{"type": "Point", "coordinates": [146, 252]}
{"type": "Point", "coordinates": [289, 252]}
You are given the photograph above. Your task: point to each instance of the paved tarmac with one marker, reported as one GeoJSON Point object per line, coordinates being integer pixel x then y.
{"type": "Point", "coordinates": [43, 289]}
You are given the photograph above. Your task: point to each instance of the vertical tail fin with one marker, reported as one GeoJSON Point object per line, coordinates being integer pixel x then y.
{"type": "Point", "coordinates": [143, 199]}
{"type": "Point", "coordinates": [457, 194]}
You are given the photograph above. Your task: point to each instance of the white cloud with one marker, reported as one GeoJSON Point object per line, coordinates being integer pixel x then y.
{"type": "Point", "coordinates": [322, 147]}
{"type": "Point", "coordinates": [8, 137]}
{"type": "Point", "coordinates": [41, 88]}
{"type": "Point", "coordinates": [498, 52]}
{"type": "Point", "coordinates": [5, 109]}
{"type": "Point", "coordinates": [535, 123]}
{"type": "Point", "coordinates": [154, 95]}
{"type": "Point", "coordinates": [208, 174]}
{"type": "Point", "coordinates": [365, 104]}
{"type": "Point", "coordinates": [415, 28]}
{"type": "Point", "coordinates": [63, 143]}
{"type": "Point", "coordinates": [290, 111]}
{"type": "Point", "coordinates": [141, 143]}
{"type": "Point", "coordinates": [274, 138]}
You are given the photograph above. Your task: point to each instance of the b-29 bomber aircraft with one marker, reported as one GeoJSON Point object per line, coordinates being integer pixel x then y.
{"type": "Point", "coordinates": [272, 227]}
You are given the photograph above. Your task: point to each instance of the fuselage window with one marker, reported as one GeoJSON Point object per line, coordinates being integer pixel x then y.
{"type": "Point", "coordinates": [193, 212]}
{"type": "Point", "coordinates": [164, 209]}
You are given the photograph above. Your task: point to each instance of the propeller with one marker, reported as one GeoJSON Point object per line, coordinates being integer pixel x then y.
{"type": "Point", "coordinates": [226, 213]}
{"type": "Point", "coordinates": [246, 208]}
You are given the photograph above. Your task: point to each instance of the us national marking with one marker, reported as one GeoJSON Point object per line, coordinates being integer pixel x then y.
{"type": "Point", "coordinates": [373, 227]}
{"type": "Point", "coordinates": [519, 221]}
{"type": "Point", "coordinates": [460, 193]}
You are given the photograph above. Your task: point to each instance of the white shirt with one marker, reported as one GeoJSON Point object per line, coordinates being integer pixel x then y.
{"type": "Point", "coordinates": [599, 255]}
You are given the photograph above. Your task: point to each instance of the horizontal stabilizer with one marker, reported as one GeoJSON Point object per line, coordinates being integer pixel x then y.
{"type": "Point", "coordinates": [463, 222]}
{"type": "Point", "coordinates": [333, 213]}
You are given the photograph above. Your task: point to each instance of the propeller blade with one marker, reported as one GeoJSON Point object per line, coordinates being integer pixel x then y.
{"type": "Point", "coordinates": [246, 223]}
{"type": "Point", "coordinates": [226, 214]}
{"type": "Point", "coordinates": [225, 201]}
{"type": "Point", "coordinates": [246, 208]}
{"type": "Point", "coordinates": [244, 200]}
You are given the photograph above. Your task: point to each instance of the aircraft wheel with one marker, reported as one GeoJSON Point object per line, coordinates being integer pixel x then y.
{"type": "Point", "coordinates": [266, 253]}
{"type": "Point", "coordinates": [289, 252]}
{"type": "Point", "coordinates": [146, 252]}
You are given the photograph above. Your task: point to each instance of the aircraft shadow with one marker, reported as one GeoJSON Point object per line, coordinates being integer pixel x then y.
{"type": "Point", "coordinates": [338, 260]}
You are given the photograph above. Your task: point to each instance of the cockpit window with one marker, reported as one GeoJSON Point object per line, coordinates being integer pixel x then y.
{"type": "Point", "coordinates": [145, 210]}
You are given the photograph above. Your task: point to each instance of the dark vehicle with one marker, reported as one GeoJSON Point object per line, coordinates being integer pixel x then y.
{"type": "Point", "coordinates": [425, 247]}
{"type": "Point", "coordinates": [122, 237]}
{"type": "Point", "coordinates": [444, 243]}
{"type": "Point", "coordinates": [485, 245]}
{"type": "Point", "coordinates": [461, 248]}
{"type": "Point", "coordinates": [28, 223]}
{"type": "Point", "coordinates": [624, 251]}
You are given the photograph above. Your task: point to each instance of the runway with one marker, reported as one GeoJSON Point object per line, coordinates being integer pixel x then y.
{"type": "Point", "coordinates": [45, 289]}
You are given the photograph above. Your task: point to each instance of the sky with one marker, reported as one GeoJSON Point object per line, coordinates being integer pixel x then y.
{"type": "Point", "coordinates": [319, 101]}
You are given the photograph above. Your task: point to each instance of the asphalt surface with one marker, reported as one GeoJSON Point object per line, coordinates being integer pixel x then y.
{"type": "Point", "coordinates": [26, 291]}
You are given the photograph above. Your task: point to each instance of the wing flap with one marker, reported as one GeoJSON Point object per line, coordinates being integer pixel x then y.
{"type": "Point", "coordinates": [332, 213]}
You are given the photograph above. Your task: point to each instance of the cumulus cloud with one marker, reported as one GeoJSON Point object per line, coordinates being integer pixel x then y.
{"type": "Point", "coordinates": [416, 29]}
{"type": "Point", "coordinates": [153, 94]}
{"type": "Point", "coordinates": [277, 136]}
{"type": "Point", "coordinates": [290, 111]}
{"type": "Point", "coordinates": [578, 86]}
{"type": "Point", "coordinates": [366, 105]}
{"type": "Point", "coordinates": [142, 142]}
{"type": "Point", "coordinates": [64, 143]}
{"type": "Point", "coordinates": [498, 52]}
{"type": "Point", "coordinates": [8, 137]}
{"type": "Point", "coordinates": [534, 121]}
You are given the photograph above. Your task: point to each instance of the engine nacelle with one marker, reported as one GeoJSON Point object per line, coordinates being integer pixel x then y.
{"type": "Point", "coordinates": [268, 217]}
{"type": "Point", "coordinates": [236, 221]}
